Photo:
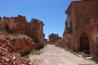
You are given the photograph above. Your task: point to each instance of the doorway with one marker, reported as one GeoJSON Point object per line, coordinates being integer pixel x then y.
{"type": "Point", "coordinates": [84, 43]}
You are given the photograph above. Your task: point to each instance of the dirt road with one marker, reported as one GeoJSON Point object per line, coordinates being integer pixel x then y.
{"type": "Point", "coordinates": [52, 55]}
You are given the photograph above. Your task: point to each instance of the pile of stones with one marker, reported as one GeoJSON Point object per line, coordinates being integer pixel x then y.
{"type": "Point", "coordinates": [9, 57]}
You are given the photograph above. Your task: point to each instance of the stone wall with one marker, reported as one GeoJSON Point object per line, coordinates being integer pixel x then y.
{"type": "Point", "coordinates": [19, 25]}
{"type": "Point", "coordinates": [82, 26]}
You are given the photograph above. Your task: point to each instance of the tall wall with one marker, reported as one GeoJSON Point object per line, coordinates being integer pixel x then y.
{"type": "Point", "coordinates": [82, 19]}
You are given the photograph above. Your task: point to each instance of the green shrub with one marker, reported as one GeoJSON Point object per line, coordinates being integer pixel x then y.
{"type": "Point", "coordinates": [95, 58]}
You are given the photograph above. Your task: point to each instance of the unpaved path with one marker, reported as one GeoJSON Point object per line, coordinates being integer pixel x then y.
{"type": "Point", "coordinates": [52, 55]}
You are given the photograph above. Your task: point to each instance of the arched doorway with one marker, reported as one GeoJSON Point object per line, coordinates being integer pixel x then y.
{"type": "Point", "coordinates": [84, 43]}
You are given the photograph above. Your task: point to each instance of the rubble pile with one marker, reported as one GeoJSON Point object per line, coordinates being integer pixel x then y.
{"type": "Point", "coordinates": [9, 58]}
{"type": "Point", "coordinates": [12, 47]}
{"type": "Point", "coordinates": [18, 43]}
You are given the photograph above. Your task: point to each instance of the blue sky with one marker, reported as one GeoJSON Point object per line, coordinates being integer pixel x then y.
{"type": "Point", "coordinates": [51, 12]}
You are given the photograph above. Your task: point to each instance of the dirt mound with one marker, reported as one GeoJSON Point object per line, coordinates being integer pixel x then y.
{"type": "Point", "coordinates": [12, 47]}
{"type": "Point", "coordinates": [18, 43]}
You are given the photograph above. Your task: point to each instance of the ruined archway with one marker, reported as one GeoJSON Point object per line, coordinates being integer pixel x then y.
{"type": "Point", "coordinates": [84, 43]}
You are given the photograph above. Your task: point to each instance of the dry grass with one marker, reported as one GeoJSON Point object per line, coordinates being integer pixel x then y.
{"type": "Point", "coordinates": [35, 52]}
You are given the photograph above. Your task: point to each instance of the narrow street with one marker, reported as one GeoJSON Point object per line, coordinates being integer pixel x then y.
{"type": "Point", "coordinates": [52, 55]}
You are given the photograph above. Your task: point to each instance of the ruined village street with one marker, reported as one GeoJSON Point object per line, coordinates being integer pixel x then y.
{"type": "Point", "coordinates": [52, 55]}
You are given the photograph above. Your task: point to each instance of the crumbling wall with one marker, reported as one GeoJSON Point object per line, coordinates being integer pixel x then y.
{"type": "Point", "coordinates": [53, 38]}
{"type": "Point", "coordinates": [82, 18]}
{"type": "Point", "coordinates": [19, 25]}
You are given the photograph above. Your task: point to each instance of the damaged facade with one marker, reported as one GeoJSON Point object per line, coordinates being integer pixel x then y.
{"type": "Point", "coordinates": [55, 39]}
{"type": "Point", "coordinates": [19, 25]}
{"type": "Point", "coordinates": [81, 27]}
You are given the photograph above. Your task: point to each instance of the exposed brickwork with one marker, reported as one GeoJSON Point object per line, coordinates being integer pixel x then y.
{"type": "Point", "coordinates": [81, 29]}
{"type": "Point", "coordinates": [19, 25]}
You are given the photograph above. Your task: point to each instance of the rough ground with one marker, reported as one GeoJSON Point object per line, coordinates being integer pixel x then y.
{"type": "Point", "coordinates": [52, 55]}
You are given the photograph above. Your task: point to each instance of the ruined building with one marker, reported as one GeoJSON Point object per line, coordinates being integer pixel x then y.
{"type": "Point", "coordinates": [55, 39]}
{"type": "Point", "coordinates": [19, 25]}
{"type": "Point", "coordinates": [81, 27]}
